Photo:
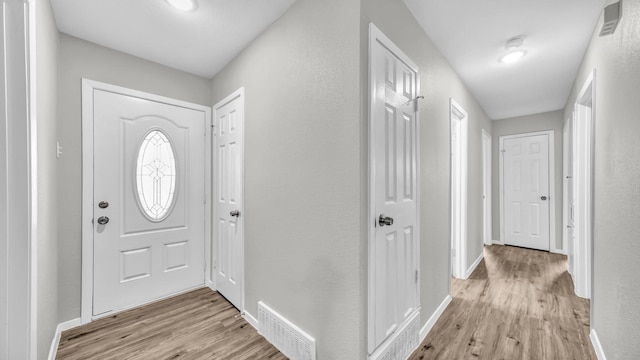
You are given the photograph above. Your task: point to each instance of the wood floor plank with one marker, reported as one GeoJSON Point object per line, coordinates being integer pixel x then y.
{"type": "Point", "coordinates": [518, 304]}
{"type": "Point", "coordinates": [197, 325]}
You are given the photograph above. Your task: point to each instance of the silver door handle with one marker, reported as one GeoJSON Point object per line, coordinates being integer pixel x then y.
{"type": "Point", "coordinates": [235, 213]}
{"type": "Point", "coordinates": [385, 220]}
{"type": "Point", "coordinates": [103, 220]}
{"type": "Point", "coordinates": [543, 197]}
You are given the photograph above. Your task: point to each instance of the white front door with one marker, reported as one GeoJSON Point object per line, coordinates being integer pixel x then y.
{"type": "Point", "coordinates": [526, 191]}
{"type": "Point", "coordinates": [394, 234]}
{"type": "Point", "coordinates": [228, 198]}
{"type": "Point", "coordinates": [148, 200]}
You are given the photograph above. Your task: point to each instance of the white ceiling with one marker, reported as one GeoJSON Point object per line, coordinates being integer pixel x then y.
{"type": "Point", "coordinates": [471, 34]}
{"type": "Point", "coordinates": [201, 42]}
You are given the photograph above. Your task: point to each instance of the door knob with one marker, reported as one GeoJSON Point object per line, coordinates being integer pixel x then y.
{"type": "Point", "coordinates": [235, 213]}
{"type": "Point", "coordinates": [103, 220]}
{"type": "Point", "coordinates": [385, 220]}
{"type": "Point", "coordinates": [103, 204]}
{"type": "Point", "coordinates": [543, 197]}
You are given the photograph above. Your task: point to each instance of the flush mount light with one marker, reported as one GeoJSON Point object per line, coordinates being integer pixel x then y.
{"type": "Point", "coordinates": [183, 5]}
{"type": "Point", "coordinates": [513, 56]}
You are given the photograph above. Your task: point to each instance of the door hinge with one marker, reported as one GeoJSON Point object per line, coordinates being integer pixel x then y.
{"type": "Point", "coordinates": [416, 276]}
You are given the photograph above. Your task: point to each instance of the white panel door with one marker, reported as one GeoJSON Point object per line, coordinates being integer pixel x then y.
{"type": "Point", "coordinates": [526, 191]}
{"type": "Point", "coordinates": [228, 212]}
{"type": "Point", "coordinates": [148, 200]}
{"type": "Point", "coordinates": [394, 270]}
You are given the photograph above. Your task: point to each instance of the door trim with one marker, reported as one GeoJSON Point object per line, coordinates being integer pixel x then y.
{"type": "Point", "coordinates": [88, 87]}
{"type": "Point", "coordinates": [239, 94]}
{"type": "Point", "coordinates": [552, 183]}
{"type": "Point", "coordinates": [459, 267]}
{"type": "Point", "coordinates": [487, 228]}
{"type": "Point", "coordinates": [377, 36]}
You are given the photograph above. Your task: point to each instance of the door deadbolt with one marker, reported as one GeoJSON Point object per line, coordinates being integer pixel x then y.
{"type": "Point", "coordinates": [385, 220]}
{"type": "Point", "coordinates": [103, 204]}
{"type": "Point", "coordinates": [235, 213]}
{"type": "Point", "coordinates": [103, 220]}
{"type": "Point", "coordinates": [543, 197]}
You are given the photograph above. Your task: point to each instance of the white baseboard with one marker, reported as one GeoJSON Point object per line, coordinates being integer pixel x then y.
{"type": "Point", "coordinates": [56, 337]}
{"type": "Point", "coordinates": [434, 317]}
{"type": "Point", "coordinates": [250, 319]}
{"type": "Point", "coordinates": [474, 265]}
{"type": "Point", "coordinates": [496, 242]}
{"type": "Point", "coordinates": [596, 345]}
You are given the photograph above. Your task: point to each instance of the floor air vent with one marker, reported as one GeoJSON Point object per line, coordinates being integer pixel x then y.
{"type": "Point", "coordinates": [284, 335]}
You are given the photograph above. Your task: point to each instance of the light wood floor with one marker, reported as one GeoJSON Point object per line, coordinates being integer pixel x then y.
{"type": "Point", "coordinates": [518, 304]}
{"type": "Point", "coordinates": [198, 325]}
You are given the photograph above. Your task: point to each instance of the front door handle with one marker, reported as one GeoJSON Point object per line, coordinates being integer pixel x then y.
{"type": "Point", "coordinates": [103, 220]}
{"type": "Point", "coordinates": [543, 197]}
{"type": "Point", "coordinates": [235, 213]}
{"type": "Point", "coordinates": [385, 220]}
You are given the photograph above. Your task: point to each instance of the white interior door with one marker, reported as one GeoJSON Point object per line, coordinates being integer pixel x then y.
{"type": "Point", "coordinates": [582, 171]}
{"type": "Point", "coordinates": [458, 117]}
{"type": "Point", "coordinates": [456, 196]}
{"type": "Point", "coordinates": [526, 191]}
{"type": "Point", "coordinates": [569, 202]}
{"type": "Point", "coordinates": [149, 200]}
{"type": "Point", "coordinates": [229, 191]}
{"type": "Point", "coordinates": [394, 263]}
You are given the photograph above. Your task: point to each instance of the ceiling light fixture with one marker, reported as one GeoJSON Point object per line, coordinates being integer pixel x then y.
{"type": "Point", "coordinates": [183, 5]}
{"type": "Point", "coordinates": [513, 56]}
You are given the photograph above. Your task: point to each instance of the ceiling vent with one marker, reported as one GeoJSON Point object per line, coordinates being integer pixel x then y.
{"type": "Point", "coordinates": [611, 19]}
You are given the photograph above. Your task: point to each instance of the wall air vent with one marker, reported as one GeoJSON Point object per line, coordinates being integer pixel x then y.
{"type": "Point", "coordinates": [611, 18]}
{"type": "Point", "coordinates": [284, 335]}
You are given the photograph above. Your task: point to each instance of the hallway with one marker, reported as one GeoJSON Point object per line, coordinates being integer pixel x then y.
{"type": "Point", "coordinates": [517, 304]}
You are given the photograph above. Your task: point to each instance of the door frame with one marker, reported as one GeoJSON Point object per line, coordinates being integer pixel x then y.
{"type": "Point", "coordinates": [377, 36]}
{"type": "Point", "coordinates": [240, 94]}
{"type": "Point", "coordinates": [552, 183]}
{"type": "Point", "coordinates": [88, 87]}
{"type": "Point", "coordinates": [459, 246]}
{"type": "Point", "coordinates": [584, 176]}
{"type": "Point", "coordinates": [487, 228]}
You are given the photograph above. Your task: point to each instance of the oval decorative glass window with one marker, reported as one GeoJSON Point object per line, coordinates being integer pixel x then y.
{"type": "Point", "coordinates": [156, 175]}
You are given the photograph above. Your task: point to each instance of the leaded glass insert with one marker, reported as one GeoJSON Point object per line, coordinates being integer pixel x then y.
{"type": "Point", "coordinates": [156, 175]}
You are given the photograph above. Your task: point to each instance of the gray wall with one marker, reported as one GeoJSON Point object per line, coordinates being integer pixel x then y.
{"type": "Point", "coordinates": [616, 285]}
{"type": "Point", "coordinates": [47, 42]}
{"type": "Point", "coordinates": [80, 59]}
{"type": "Point", "coordinates": [303, 175]}
{"type": "Point", "coordinates": [525, 124]}
{"type": "Point", "coordinates": [438, 82]}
